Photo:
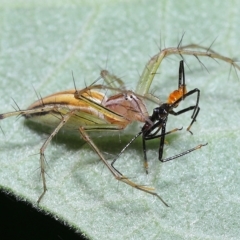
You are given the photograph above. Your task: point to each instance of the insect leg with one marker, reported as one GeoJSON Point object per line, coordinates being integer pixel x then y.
{"type": "Point", "coordinates": [195, 108]}
{"type": "Point", "coordinates": [131, 141]}
{"type": "Point", "coordinates": [148, 137]}
{"type": "Point", "coordinates": [162, 136]}
{"type": "Point", "coordinates": [161, 145]}
{"type": "Point", "coordinates": [183, 153]}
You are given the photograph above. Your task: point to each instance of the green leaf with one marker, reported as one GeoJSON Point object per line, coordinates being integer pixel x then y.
{"type": "Point", "coordinates": [42, 42]}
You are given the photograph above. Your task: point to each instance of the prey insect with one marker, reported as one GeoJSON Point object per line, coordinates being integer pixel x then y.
{"type": "Point", "coordinates": [160, 114]}
{"type": "Point", "coordinates": [159, 118]}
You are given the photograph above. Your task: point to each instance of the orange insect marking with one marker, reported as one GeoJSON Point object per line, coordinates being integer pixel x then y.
{"type": "Point", "coordinates": [177, 94]}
